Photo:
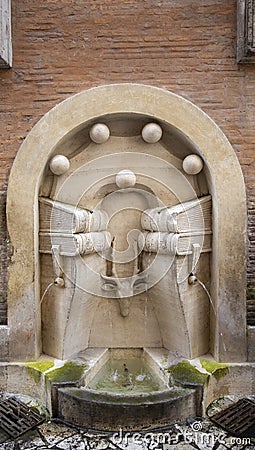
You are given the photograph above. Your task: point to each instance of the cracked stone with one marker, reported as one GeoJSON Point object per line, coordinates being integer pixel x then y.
{"type": "Point", "coordinates": [75, 442]}
{"type": "Point", "coordinates": [54, 433]}
{"type": "Point", "coordinates": [100, 444]}
{"type": "Point", "coordinates": [30, 440]}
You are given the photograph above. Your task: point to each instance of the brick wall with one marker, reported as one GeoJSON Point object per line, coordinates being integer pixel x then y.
{"type": "Point", "coordinates": [61, 47]}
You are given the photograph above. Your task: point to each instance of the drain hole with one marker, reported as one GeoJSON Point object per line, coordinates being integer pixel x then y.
{"type": "Point", "coordinates": [16, 418]}
{"type": "Point", "coordinates": [238, 419]}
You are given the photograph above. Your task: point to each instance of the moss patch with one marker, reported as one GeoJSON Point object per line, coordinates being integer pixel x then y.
{"type": "Point", "coordinates": [41, 366]}
{"type": "Point", "coordinates": [218, 370]}
{"type": "Point", "coordinates": [70, 371]}
{"type": "Point", "coordinates": [35, 369]}
{"type": "Point", "coordinates": [186, 373]}
{"type": "Point", "coordinates": [34, 374]}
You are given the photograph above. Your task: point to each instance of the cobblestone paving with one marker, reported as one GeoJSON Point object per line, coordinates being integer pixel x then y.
{"type": "Point", "coordinates": [195, 434]}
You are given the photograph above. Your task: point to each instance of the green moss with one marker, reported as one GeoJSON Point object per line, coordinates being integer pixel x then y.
{"type": "Point", "coordinates": [220, 373]}
{"type": "Point", "coordinates": [186, 373]}
{"type": "Point", "coordinates": [35, 369]}
{"type": "Point", "coordinates": [41, 410]}
{"type": "Point", "coordinates": [34, 374]}
{"type": "Point", "coordinates": [218, 370]}
{"type": "Point", "coordinates": [70, 371]}
{"type": "Point", "coordinates": [41, 366]}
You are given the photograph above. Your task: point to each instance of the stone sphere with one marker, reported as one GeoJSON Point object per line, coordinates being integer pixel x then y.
{"type": "Point", "coordinates": [99, 133]}
{"type": "Point", "coordinates": [192, 164]}
{"type": "Point", "coordinates": [59, 164]}
{"type": "Point", "coordinates": [152, 133]}
{"type": "Point", "coordinates": [125, 179]}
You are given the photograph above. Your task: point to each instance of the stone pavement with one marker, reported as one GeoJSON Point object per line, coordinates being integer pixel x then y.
{"type": "Point", "coordinates": [198, 434]}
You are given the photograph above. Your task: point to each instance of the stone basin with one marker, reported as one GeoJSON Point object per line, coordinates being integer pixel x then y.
{"type": "Point", "coordinates": [146, 402]}
{"type": "Point", "coordinates": [107, 411]}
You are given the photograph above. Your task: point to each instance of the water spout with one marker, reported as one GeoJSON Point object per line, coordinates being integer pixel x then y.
{"type": "Point", "coordinates": [194, 279]}
{"type": "Point", "coordinates": [124, 304]}
{"type": "Point", "coordinates": [46, 291]}
{"type": "Point", "coordinates": [124, 288]}
{"type": "Point", "coordinates": [114, 376]}
{"type": "Point", "coordinates": [140, 377]}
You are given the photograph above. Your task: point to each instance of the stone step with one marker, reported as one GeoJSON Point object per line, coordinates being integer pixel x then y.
{"type": "Point", "coordinates": [107, 411]}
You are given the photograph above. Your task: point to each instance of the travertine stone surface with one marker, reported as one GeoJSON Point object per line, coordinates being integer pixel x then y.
{"type": "Point", "coordinates": [125, 179]}
{"type": "Point", "coordinates": [192, 164]}
{"type": "Point", "coordinates": [152, 133]}
{"type": "Point", "coordinates": [198, 134]}
{"type": "Point", "coordinates": [59, 164]}
{"type": "Point", "coordinates": [238, 379]}
{"type": "Point", "coordinates": [99, 133]}
{"type": "Point", "coordinates": [5, 34]}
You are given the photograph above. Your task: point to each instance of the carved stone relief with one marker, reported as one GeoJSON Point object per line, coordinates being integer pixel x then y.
{"type": "Point", "coordinates": [246, 31]}
{"type": "Point", "coordinates": [84, 234]}
{"type": "Point", "coordinates": [59, 305]}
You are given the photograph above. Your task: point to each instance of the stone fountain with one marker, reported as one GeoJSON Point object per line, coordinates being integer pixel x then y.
{"type": "Point", "coordinates": [131, 247]}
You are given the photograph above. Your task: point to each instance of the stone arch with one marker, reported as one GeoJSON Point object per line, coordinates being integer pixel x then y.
{"type": "Point", "coordinates": [226, 186]}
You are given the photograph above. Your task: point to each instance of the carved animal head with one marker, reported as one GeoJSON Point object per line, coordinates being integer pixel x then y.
{"type": "Point", "coordinates": [124, 287]}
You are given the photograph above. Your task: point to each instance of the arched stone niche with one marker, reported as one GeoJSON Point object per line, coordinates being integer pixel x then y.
{"type": "Point", "coordinates": [187, 129]}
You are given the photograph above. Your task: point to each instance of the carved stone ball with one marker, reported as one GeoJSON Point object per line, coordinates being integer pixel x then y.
{"type": "Point", "coordinates": [99, 133]}
{"type": "Point", "coordinates": [59, 164]}
{"type": "Point", "coordinates": [192, 164]}
{"type": "Point", "coordinates": [152, 133]}
{"type": "Point", "coordinates": [125, 179]}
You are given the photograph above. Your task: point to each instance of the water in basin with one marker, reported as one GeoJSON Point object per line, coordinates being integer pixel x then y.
{"type": "Point", "coordinates": [126, 376]}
